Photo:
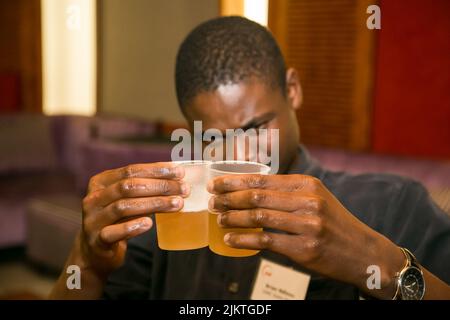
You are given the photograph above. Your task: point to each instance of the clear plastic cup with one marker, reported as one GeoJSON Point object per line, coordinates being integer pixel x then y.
{"type": "Point", "coordinates": [188, 228]}
{"type": "Point", "coordinates": [216, 233]}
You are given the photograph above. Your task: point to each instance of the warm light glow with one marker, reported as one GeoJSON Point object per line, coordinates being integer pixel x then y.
{"type": "Point", "coordinates": [69, 56]}
{"type": "Point", "coordinates": [257, 10]}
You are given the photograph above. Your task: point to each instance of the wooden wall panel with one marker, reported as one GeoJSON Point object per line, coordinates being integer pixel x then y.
{"type": "Point", "coordinates": [329, 44]}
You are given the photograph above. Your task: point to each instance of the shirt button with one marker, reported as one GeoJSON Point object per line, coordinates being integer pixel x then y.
{"type": "Point", "coordinates": [233, 287]}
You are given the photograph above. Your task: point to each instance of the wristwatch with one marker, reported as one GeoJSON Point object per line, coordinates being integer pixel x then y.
{"type": "Point", "coordinates": [409, 281]}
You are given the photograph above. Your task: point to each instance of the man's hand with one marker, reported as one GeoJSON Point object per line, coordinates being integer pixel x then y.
{"type": "Point", "coordinates": [116, 208]}
{"type": "Point", "coordinates": [320, 234]}
{"type": "Point", "coordinates": [118, 205]}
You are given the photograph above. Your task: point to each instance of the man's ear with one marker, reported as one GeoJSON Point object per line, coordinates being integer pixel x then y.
{"type": "Point", "coordinates": [294, 92]}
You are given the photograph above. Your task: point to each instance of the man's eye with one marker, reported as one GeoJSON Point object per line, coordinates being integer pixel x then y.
{"type": "Point", "coordinates": [261, 125]}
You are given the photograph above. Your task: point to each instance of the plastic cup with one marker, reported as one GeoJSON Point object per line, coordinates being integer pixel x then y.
{"type": "Point", "coordinates": [187, 229]}
{"type": "Point", "coordinates": [216, 233]}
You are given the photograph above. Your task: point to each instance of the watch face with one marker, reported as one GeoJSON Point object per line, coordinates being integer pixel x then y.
{"type": "Point", "coordinates": [412, 284]}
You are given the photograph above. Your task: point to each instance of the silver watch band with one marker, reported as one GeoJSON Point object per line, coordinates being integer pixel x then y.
{"type": "Point", "coordinates": [411, 261]}
{"type": "Point", "coordinates": [408, 263]}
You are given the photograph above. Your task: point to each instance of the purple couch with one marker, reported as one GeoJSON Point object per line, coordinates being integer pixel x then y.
{"type": "Point", "coordinates": [44, 156]}
{"type": "Point", "coordinates": [434, 175]}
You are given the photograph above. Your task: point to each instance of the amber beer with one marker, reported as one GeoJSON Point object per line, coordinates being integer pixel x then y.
{"type": "Point", "coordinates": [216, 233]}
{"type": "Point", "coordinates": [188, 228]}
{"type": "Point", "coordinates": [182, 230]}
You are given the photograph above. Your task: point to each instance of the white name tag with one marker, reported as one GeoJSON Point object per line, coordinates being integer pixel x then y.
{"type": "Point", "coordinates": [277, 282]}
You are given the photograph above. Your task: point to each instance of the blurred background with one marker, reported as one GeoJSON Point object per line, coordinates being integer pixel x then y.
{"type": "Point", "coordinates": [88, 85]}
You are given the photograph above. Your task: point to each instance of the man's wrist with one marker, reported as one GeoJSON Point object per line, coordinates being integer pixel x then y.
{"type": "Point", "coordinates": [91, 282]}
{"type": "Point", "coordinates": [395, 262]}
{"type": "Point", "coordinates": [80, 257]}
{"type": "Point", "coordinates": [390, 260]}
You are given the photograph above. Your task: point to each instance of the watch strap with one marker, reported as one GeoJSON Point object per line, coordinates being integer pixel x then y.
{"type": "Point", "coordinates": [409, 258]}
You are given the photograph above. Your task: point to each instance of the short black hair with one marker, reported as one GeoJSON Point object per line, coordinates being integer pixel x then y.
{"type": "Point", "coordinates": [227, 50]}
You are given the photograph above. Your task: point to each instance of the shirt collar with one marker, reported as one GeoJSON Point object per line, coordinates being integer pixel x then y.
{"type": "Point", "coordinates": [304, 163]}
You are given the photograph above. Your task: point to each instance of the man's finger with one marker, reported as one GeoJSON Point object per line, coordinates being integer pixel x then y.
{"type": "Point", "coordinates": [258, 198]}
{"type": "Point", "coordinates": [265, 218]}
{"type": "Point", "coordinates": [134, 188]}
{"type": "Point", "coordinates": [236, 182]}
{"type": "Point", "coordinates": [126, 230]}
{"type": "Point", "coordinates": [158, 170]}
{"type": "Point", "coordinates": [287, 245]}
{"type": "Point", "coordinates": [128, 208]}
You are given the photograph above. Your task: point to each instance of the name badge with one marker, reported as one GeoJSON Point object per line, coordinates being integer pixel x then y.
{"type": "Point", "coordinates": [277, 282]}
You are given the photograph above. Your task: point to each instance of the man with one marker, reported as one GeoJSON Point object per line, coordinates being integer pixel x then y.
{"type": "Point", "coordinates": [230, 73]}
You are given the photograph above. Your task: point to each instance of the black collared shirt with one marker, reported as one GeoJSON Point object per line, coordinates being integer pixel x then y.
{"type": "Point", "coordinates": [397, 207]}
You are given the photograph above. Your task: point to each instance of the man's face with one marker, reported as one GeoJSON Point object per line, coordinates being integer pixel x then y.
{"type": "Point", "coordinates": [245, 105]}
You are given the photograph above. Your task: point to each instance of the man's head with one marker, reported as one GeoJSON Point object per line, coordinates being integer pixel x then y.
{"type": "Point", "coordinates": [230, 74]}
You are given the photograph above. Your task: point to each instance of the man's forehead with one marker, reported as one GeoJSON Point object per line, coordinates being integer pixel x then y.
{"type": "Point", "coordinates": [229, 106]}
{"type": "Point", "coordinates": [222, 119]}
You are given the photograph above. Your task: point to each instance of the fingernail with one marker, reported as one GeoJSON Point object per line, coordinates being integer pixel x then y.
{"type": "Point", "coordinates": [219, 219]}
{"type": "Point", "coordinates": [211, 203]}
{"type": "Point", "coordinates": [175, 202]}
{"type": "Point", "coordinates": [227, 238]}
{"type": "Point", "coordinates": [179, 172]}
{"type": "Point", "coordinates": [185, 188]}
{"type": "Point", "coordinates": [210, 186]}
{"type": "Point", "coordinates": [146, 222]}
